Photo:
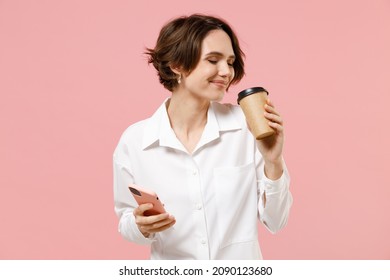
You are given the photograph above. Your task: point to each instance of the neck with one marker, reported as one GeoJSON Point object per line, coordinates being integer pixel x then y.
{"type": "Point", "coordinates": [188, 117]}
{"type": "Point", "coordinates": [187, 114]}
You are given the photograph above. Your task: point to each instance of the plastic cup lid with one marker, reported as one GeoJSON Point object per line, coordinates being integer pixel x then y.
{"type": "Point", "coordinates": [249, 91]}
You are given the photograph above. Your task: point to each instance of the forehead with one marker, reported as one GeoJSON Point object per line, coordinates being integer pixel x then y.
{"type": "Point", "coordinates": [217, 41]}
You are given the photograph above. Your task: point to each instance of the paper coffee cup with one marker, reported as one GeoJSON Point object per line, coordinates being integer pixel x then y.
{"type": "Point", "coordinates": [252, 101]}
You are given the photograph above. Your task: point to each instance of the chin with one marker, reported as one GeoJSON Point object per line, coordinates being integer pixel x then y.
{"type": "Point", "coordinates": [217, 95]}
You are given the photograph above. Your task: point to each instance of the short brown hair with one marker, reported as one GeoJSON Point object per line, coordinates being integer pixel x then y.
{"type": "Point", "coordinates": [179, 44]}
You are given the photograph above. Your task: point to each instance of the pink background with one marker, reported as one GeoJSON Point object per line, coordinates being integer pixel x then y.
{"type": "Point", "coordinates": [73, 77]}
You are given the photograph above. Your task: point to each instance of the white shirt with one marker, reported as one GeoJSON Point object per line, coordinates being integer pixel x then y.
{"type": "Point", "coordinates": [215, 193]}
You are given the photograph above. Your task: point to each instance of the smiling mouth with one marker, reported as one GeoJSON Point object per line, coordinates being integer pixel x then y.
{"type": "Point", "coordinates": [220, 84]}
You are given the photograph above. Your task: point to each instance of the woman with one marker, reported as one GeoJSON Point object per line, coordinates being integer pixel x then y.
{"type": "Point", "coordinates": [199, 156]}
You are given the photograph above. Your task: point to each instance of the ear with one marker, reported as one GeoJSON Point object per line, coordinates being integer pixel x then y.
{"type": "Point", "coordinates": [175, 69]}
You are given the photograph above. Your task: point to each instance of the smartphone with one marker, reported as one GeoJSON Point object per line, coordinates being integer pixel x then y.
{"type": "Point", "coordinates": [142, 196]}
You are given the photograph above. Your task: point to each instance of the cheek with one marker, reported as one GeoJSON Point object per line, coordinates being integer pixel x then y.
{"type": "Point", "coordinates": [210, 71]}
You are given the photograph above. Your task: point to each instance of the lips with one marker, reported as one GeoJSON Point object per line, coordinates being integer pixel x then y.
{"type": "Point", "coordinates": [220, 83]}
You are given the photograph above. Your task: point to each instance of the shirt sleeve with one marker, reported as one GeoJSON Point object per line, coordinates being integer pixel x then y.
{"type": "Point", "coordinates": [123, 200]}
{"type": "Point", "coordinates": [275, 198]}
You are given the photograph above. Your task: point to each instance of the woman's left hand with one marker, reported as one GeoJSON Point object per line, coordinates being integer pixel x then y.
{"type": "Point", "coordinates": [272, 147]}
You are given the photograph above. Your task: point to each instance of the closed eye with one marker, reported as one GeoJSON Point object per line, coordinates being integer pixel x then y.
{"type": "Point", "coordinates": [216, 61]}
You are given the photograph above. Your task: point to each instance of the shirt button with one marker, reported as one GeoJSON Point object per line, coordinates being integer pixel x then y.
{"type": "Point", "coordinates": [199, 206]}
{"type": "Point", "coordinates": [194, 172]}
{"type": "Point", "coordinates": [203, 241]}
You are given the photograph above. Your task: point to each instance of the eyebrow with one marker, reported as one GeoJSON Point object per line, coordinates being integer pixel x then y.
{"type": "Point", "coordinates": [219, 54]}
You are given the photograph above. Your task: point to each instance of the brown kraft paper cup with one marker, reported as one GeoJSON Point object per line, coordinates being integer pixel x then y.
{"type": "Point", "coordinates": [252, 101]}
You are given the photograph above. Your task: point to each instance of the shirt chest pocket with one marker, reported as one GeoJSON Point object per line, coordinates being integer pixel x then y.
{"type": "Point", "coordinates": [236, 198]}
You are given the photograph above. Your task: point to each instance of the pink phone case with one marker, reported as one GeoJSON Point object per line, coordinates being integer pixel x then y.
{"type": "Point", "coordinates": [142, 196]}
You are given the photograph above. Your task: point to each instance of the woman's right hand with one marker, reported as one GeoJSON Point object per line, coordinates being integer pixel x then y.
{"type": "Point", "coordinates": [152, 224]}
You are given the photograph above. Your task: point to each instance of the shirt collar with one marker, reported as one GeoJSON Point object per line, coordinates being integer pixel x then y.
{"type": "Point", "coordinates": [158, 129]}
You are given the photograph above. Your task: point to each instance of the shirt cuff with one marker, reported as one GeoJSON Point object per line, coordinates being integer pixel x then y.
{"type": "Point", "coordinates": [272, 186]}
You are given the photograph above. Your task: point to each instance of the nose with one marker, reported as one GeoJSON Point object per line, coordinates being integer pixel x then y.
{"type": "Point", "coordinates": [225, 70]}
